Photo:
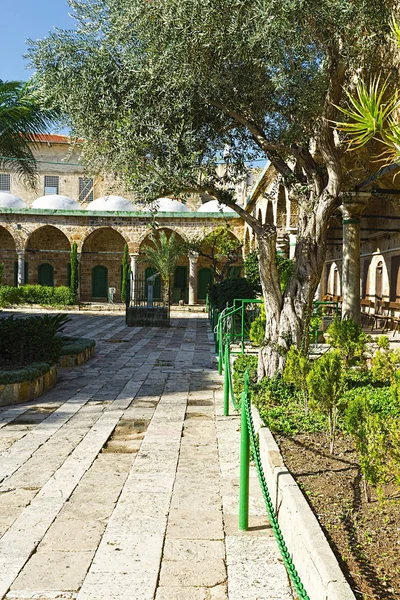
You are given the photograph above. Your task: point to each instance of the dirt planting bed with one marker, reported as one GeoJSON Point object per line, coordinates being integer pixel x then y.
{"type": "Point", "coordinates": [365, 536]}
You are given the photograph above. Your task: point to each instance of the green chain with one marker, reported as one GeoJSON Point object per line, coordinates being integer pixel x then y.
{"type": "Point", "coordinates": [294, 576]}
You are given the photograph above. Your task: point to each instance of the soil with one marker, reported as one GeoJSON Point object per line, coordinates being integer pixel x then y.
{"type": "Point", "coordinates": [365, 536]}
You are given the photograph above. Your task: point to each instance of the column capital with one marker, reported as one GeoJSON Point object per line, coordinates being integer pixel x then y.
{"type": "Point", "coordinates": [353, 205]}
{"type": "Point", "coordinates": [193, 256]}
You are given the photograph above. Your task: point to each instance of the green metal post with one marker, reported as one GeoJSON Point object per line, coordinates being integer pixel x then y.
{"type": "Point", "coordinates": [226, 380]}
{"type": "Point", "coordinates": [244, 466]}
{"type": "Point", "coordinates": [243, 305]}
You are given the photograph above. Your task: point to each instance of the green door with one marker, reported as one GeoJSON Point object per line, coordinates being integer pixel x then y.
{"type": "Point", "coordinates": [204, 279]}
{"type": "Point", "coordinates": [181, 291]}
{"type": "Point", "coordinates": [234, 272]}
{"type": "Point", "coordinates": [156, 286]}
{"type": "Point", "coordinates": [46, 274]}
{"type": "Point", "coordinates": [99, 282]}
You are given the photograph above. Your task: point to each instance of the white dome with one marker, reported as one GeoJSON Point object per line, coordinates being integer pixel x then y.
{"type": "Point", "coordinates": [111, 203]}
{"type": "Point", "coordinates": [11, 201]}
{"type": "Point", "coordinates": [213, 206]}
{"type": "Point", "coordinates": [56, 202]}
{"type": "Point", "coordinates": [169, 205]}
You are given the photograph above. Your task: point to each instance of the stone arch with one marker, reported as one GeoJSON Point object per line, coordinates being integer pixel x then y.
{"type": "Point", "coordinates": [143, 235]}
{"type": "Point", "coordinates": [47, 244]}
{"type": "Point", "coordinates": [246, 243]}
{"type": "Point", "coordinates": [269, 215]}
{"type": "Point", "coordinates": [103, 247]}
{"type": "Point", "coordinates": [260, 216]}
{"type": "Point", "coordinates": [180, 286]}
{"type": "Point", "coordinates": [8, 255]}
{"type": "Point", "coordinates": [281, 207]}
{"type": "Point", "coordinates": [93, 228]}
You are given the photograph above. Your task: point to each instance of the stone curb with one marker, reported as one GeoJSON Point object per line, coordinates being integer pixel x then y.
{"type": "Point", "coordinates": [14, 393]}
{"type": "Point", "coordinates": [314, 559]}
{"type": "Point", "coordinates": [75, 360]}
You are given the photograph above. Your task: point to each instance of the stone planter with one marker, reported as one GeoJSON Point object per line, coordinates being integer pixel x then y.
{"type": "Point", "coordinates": [14, 393]}
{"type": "Point", "coordinates": [75, 360]}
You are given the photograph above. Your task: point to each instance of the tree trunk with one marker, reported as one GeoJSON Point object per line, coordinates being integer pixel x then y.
{"type": "Point", "coordinates": [288, 315]}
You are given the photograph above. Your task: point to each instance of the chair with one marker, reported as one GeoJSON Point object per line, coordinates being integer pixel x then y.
{"type": "Point", "coordinates": [381, 313]}
{"type": "Point", "coordinates": [366, 307]}
{"type": "Point", "coordinates": [395, 315]}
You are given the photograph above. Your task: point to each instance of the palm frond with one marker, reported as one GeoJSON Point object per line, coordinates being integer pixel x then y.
{"type": "Point", "coordinates": [395, 27]}
{"type": "Point", "coordinates": [369, 112]}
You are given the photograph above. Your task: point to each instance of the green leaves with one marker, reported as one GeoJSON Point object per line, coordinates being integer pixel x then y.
{"type": "Point", "coordinates": [370, 114]}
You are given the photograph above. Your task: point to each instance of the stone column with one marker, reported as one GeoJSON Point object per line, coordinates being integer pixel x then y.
{"type": "Point", "coordinates": [292, 245]}
{"type": "Point", "coordinates": [193, 256]}
{"type": "Point", "coordinates": [78, 291]}
{"type": "Point", "coordinates": [21, 268]}
{"type": "Point", "coordinates": [134, 275]}
{"type": "Point", "coordinates": [352, 207]}
{"type": "Point", "coordinates": [282, 245]}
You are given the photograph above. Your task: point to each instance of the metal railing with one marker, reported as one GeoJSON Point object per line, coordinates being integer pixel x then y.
{"type": "Point", "coordinates": [248, 440]}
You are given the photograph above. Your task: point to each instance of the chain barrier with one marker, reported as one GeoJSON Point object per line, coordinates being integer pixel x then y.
{"type": "Point", "coordinates": [293, 574]}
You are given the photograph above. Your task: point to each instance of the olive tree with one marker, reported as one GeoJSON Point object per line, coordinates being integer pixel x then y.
{"type": "Point", "coordinates": [161, 90]}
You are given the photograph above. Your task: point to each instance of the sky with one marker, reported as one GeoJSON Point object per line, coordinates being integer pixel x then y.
{"type": "Point", "coordinates": [23, 19]}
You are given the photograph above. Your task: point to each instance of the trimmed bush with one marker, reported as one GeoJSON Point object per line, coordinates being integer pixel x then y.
{"type": "Point", "coordinates": [29, 373]}
{"type": "Point", "coordinates": [36, 294]}
{"type": "Point", "coordinates": [225, 292]}
{"type": "Point", "coordinates": [71, 345]}
{"type": "Point", "coordinates": [9, 295]}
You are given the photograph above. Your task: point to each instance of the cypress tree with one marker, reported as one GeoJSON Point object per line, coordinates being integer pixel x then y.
{"type": "Point", "coordinates": [74, 269]}
{"type": "Point", "coordinates": [125, 273]}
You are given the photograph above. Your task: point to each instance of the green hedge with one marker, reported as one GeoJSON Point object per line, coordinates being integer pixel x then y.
{"type": "Point", "coordinates": [29, 373]}
{"type": "Point", "coordinates": [36, 294]}
{"type": "Point", "coordinates": [71, 345]}
{"type": "Point", "coordinates": [225, 292]}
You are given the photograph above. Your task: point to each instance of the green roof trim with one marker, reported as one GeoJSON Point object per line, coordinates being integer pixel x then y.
{"type": "Point", "coordinates": [98, 213]}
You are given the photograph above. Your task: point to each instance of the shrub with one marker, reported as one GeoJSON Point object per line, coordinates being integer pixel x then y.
{"type": "Point", "coordinates": [252, 271]}
{"type": "Point", "coordinates": [285, 268]}
{"type": "Point", "coordinates": [71, 345]}
{"type": "Point", "coordinates": [385, 362]}
{"type": "Point", "coordinates": [63, 296]}
{"type": "Point", "coordinates": [348, 338]}
{"type": "Point", "coordinates": [242, 363]}
{"type": "Point", "coordinates": [10, 296]}
{"type": "Point", "coordinates": [296, 370]}
{"type": "Point", "coordinates": [257, 328]}
{"type": "Point", "coordinates": [281, 408]}
{"type": "Point", "coordinates": [33, 339]}
{"type": "Point", "coordinates": [1, 273]}
{"type": "Point", "coordinates": [225, 292]}
{"type": "Point", "coordinates": [325, 387]}
{"type": "Point", "coordinates": [33, 371]}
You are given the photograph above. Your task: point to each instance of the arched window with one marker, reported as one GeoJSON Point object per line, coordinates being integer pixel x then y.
{"type": "Point", "coordinates": [378, 280]}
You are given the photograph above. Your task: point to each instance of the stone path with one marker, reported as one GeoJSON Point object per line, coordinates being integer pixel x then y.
{"type": "Point", "coordinates": [122, 481]}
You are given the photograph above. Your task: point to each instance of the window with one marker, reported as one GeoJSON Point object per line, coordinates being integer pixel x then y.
{"type": "Point", "coordinates": [5, 182]}
{"type": "Point", "coordinates": [85, 189]}
{"type": "Point", "coordinates": [51, 184]}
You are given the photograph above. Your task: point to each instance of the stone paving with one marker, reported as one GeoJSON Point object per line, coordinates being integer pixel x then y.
{"type": "Point", "coordinates": [122, 481]}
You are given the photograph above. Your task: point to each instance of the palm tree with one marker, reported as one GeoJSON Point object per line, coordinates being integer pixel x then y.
{"type": "Point", "coordinates": [163, 255]}
{"type": "Point", "coordinates": [23, 116]}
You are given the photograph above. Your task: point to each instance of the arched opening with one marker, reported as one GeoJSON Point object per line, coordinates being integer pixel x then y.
{"type": "Point", "coordinates": [180, 281]}
{"type": "Point", "coordinates": [281, 212]}
{"type": "Point", "coordinates": [379, 280]}
{"type": "Point", "coordinates": [102, 250]}
{"type": "Point", "coordinates": [45, 274]}
{"type": "Point", "coordinates": [395, 279]}
{"type": "Point", "coordinates": [8, 256]}
{"type": "Point", "coordinates": [204, 280]}
{"type": "Point", "coordinates": [269, 217]}
{"type": "Point", "coordinates": [333, 287]}
{"type": "Point", "coordinates": [336, 282]}
{"type": "Point", "coordinates": [99, 282]}
{"type": "Point", "coordinates": [47, 246]}
{"type": "Point", "coordinates": [260, 215]}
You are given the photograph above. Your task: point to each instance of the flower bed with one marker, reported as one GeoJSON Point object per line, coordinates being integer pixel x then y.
{"type": "Point", "coordinates": [76, 351]}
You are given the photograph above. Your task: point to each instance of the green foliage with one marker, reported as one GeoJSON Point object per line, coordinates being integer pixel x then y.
{"type": "Point", "coordinates": [251, 270]}
{"type": "Point", "coordinates": [372, 418]}
{"type": "Point", "coordinates": [225, 292]}
{"type": "Point", "coordinates": [257, 328]}
{"type": "Point", "coordinates": [220, 247]}
{"type": "Point", "coordinates": [242, 363]}
{"type": "Point", "coordinates": [285, 270]}
{"type": "Point", "coordinates": [33, 371]}
{"type": "Point", "coordinates": [1, 273]}
{"type": "Point", "coordinates": [385, 362]}
{"type": "Point", "coordinates": [125, 273]}
{"type": "Point", "coordinates": [325, 387]}
{"type": "Point", "coordinates": [72, 345]}
{"type": "Point", "coordinates": [297, 367]}
{"type": "Point", "coordinates": [282, 409]}
{"type": "Point", "coordinates": [163, 255]}
{"type": "Point", "coordinates": [37, 294]}
{"type": "Point", "coordinates": [31, 339]}
{"type": "Point", "coordinates": [23, 114]}
{"type": "Point", "coordinates": [74, 284]}
{"type": "Point", "coordinates": [348, 338]}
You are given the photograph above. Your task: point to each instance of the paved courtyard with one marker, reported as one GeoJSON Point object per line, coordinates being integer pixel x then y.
{"type": "Point", "coordinates": [122, 481]}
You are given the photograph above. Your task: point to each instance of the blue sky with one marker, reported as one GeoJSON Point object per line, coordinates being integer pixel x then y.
{"type": "Point", "coordinates": [22, 19]}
